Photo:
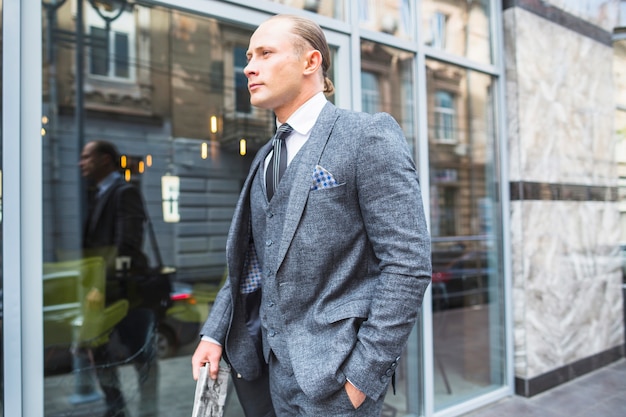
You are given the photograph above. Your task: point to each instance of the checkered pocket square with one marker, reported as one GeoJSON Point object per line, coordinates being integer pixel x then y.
{"type": "Point", "coordinates": [322, 179]}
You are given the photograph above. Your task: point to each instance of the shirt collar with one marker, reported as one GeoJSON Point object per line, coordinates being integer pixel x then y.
{"type": "Point", "coordinates": [303, 119]}
{"type": "Point", "coordinates": [108, 181]}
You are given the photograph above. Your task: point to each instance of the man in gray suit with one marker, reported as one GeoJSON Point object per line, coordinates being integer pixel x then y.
{"type": "Point", "coordinates": [327, 268]}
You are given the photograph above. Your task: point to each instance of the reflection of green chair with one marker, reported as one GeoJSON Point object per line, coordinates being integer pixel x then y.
{"type": "Point", "coordinates": [206, 293]}
{"type": "Point", "coordinates": [75, 315]}
{"type": "Point", "coordinates": [74, 303]}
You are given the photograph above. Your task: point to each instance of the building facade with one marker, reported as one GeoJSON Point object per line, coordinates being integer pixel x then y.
{"type": "Point", "coordinates": [514, 111]}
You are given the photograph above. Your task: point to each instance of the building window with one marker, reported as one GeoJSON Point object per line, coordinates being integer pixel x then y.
{"type": "Point", "coordinates": [242, 96]}
{"type": "Point", "coordinates": [438, 30]}
{"type": "Point", "coordinates": [365, 11]}
{"type": "Point", "coordinates": [111, 52]}
{"type": "Point", "coordinates": [369, 92]}
{"type": "Point", "coordinates": [445, 115]}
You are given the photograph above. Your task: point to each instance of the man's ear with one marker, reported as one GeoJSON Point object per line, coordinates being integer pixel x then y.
{"type": "Point", "coordinates": [313, 61]}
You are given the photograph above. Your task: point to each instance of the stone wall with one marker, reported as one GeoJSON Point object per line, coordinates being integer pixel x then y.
{"type": "Point", "coordinates": [567, 296]}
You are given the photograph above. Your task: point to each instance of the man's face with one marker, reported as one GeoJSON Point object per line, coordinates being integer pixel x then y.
{"type": "Point", "coordinates": [274, 71]}
{"type": "Point", "coordinates": [92, 164]}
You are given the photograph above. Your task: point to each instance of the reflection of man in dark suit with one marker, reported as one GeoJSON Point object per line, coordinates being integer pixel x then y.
{"type": "Point", "coordinates": [114, 229]}
{"type": "Point", "coordinates": [114, 225]}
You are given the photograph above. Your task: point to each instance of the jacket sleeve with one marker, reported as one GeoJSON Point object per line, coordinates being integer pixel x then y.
{"type": "Point", "coordinates": [391, 205]}
{"type": "Point", "coordinates": [217, 323]}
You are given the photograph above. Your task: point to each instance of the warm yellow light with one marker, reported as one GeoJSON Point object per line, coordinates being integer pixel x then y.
{"type": "Point", "coordinates": [142, 167]}
{"type": "Point", "coordinates": [123, 161]}
{"type": "Point", "coordinates": [204, 152]}
{"type": "Point", "coordinates": [213, 124]}
{"type": "Point", "coordinates": [242, 147]}
{"type": "Point", "coordinates": [127, 175]}
{"type": "Point", "coordinates": [149, 160]}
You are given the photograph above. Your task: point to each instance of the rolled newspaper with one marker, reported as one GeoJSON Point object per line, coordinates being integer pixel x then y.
{"type": "Point", "coordinates": [210, 394]}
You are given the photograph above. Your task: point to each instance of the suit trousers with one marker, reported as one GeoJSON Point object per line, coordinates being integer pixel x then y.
{"type": "Point", "coordinates": [290, 401]}
{"type": "Point", "coordinates": [254, 396]}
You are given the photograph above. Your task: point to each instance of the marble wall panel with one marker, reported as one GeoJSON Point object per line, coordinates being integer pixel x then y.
{"type": "Point", "coordinates": [566, 283]}
{"type": "Point", "coordinates": [560, 103]}
{"type": "Point", "coordinates": [603, 13]}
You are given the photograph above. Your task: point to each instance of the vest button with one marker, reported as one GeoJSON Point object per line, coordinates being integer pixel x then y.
{"type": "Point", "coordinates": [268, 242]}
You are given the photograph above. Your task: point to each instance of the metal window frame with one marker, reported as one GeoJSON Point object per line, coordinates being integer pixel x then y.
{"type": "Point", "coordinates": [22, 164]}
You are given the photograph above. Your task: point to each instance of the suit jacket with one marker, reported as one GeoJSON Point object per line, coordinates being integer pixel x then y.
{"type": "Point", "coordinates": [352, 264]}
{"type": "Point", "coordinates": [115, 225]}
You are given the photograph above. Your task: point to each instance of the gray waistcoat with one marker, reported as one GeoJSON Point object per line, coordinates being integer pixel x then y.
{"type": "Point", "coordinates": [267, 226]}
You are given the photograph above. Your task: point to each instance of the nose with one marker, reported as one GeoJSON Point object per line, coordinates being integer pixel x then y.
{"type": "Point", "coordinates": [249, 70]}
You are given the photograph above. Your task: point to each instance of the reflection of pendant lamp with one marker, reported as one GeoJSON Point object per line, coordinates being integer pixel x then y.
{"type": "Point", "coordinates": [170, 190]}
{"type": "Point", "coordinates": [311, 5]}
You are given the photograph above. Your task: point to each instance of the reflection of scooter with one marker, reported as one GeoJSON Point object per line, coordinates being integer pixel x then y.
{"type": "Point", "coordinates": [181, 323]}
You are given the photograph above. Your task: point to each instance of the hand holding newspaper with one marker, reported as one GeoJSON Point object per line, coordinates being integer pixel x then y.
{"type": "Point", "coordinates": [210, 394]}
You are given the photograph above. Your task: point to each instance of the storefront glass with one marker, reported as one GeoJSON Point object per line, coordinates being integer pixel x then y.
{"type": "Point", "coordinates": [468, 321]}
{"type": "Point", "coordinates": [166, 88]}
{"type": "Point", "coordinates": [458, 27]}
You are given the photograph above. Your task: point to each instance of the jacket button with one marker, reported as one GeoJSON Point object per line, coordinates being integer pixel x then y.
{"type": "Point", "coordinates": [268, 242]}
{"type": "Point", "coordinates": [239, 376]}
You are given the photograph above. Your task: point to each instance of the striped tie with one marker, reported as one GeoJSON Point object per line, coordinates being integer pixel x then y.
{"type": "Point", "coordinates": [278, 161]}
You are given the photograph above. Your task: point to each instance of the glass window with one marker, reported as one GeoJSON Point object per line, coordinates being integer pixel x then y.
{"type": "Point", "coordinates": [369, 92]}
{"type": "Point", "coordinates": [110, 53]}
{"type": "Point", "coordinates": [242, 96]}
{"type": "Point", "coordinates": [444, 117]}
{"type": "Point", "coordinates": [458, 27]}
{"type": "Point", "coordinates": [173, 128]}
{"type": "Point", "coordinates": [386, 82]}
{"type": "Point", "coordinates": [392, 17]}
{"type": "Point", "coordinates": [328, 8]}
{"type": "Point", "coordinates": [467, 280]}
{"type": "Point", "coordinates": [178, 122]}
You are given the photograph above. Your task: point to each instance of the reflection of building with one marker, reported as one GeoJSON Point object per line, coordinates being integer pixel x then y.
{"type": "Point", "coordinates": [194, 124]}
{"type": "Point", "coordinates": [509, 114]}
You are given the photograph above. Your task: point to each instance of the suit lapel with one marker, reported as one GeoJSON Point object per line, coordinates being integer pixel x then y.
{"type": "Point", "coordinates": [301, 185]}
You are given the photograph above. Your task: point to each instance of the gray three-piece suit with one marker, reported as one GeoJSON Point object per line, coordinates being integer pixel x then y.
{"type": "Point", "coordinates": [344, 254]}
